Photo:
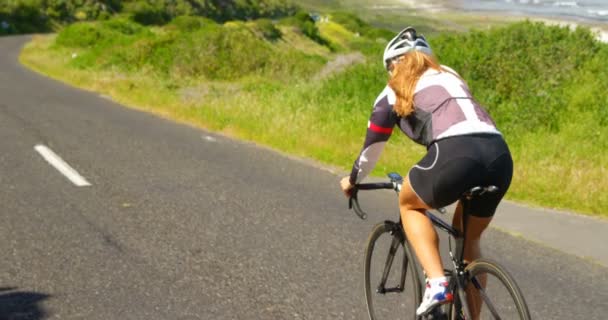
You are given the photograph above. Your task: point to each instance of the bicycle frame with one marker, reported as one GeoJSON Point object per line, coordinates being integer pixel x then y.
{"type": "Point", "coordinates": [458, 273]}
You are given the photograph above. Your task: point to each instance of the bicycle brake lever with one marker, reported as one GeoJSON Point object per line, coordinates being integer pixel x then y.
{"type": "Point", "coordinates": [354, 204]}
{"type": "Point", "coordinates": [353, 197]}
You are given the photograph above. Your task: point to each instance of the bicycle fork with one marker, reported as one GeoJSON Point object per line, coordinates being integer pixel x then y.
{"type": "Point", "coordinates": [397, 240]}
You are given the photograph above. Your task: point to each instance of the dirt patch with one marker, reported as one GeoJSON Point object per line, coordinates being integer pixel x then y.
{"type": "Point", "coordinates": [339, 64]}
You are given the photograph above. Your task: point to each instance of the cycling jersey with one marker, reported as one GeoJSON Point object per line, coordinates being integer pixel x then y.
{"type": "Point", "coordinates": [443, 107]}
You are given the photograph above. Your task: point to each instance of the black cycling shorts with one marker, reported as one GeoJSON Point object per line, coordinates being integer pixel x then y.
{"type": "Point", "coordinates": [456, 164]}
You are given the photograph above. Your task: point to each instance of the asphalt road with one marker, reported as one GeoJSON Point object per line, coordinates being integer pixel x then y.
{"type": "Point", "coordinates": [180, 223]}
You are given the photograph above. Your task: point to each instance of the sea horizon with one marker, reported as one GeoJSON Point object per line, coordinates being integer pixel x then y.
{"type": "Point", "coordinates": [595, 11]}
{"type": "Point", "coordinates": [587, 11]}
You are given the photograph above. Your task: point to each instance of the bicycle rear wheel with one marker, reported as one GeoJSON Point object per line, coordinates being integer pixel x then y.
{"type": "Point", "coordinates": [498, 296]}
{"type": "Point", "coordinates": [392, 285]}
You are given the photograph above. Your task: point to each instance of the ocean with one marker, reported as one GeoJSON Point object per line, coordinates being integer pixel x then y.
{"type": "Point", "coordinates": [583, 10]}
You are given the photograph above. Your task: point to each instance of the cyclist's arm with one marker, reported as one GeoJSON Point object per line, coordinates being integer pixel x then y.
{"type": "Point", "coordinates": [379, 129]}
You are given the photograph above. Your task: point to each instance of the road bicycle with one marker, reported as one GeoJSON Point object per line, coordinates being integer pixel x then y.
{"type": "Point", "coordinates": [390, 262]}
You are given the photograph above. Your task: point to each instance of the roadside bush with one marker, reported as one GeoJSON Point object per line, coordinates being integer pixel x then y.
{"type": "Point", "coordinates": [123, 26]}
{"type": "Point", "coordinates": [155, 54]}
{"type": "Point", "coordinates": [99, 34]}
{"type": "Point", "coordinates": [249, 9]}
{"type": "Point", "coordinates": [149, 14]}
{"type": "Point", "coordinates": [26, 16]}
{"type": "Point", "coordinates": [23, 17]}
{"type": "Point", "coordinates": [355, 24]}
{"type": "Point", "coordinates": [207, 50]}
{"type": "Point", "coordinates": [305, 24]}
{"type": "Point", "coordinates": [520, 72]}
{"type": "Point", "coordinates": [588, 90]}
{"type": "Point", "coordinates": [267, 29]}
{"type": "Point", "coordinates": [190, 23]}
{"type": "Point", "coordinates": [161, 11]}
{"type": "Point", "coordinates": [67, 11]}
{"type": "Point", "coordinates": [223, 53]}
{"type": "Point", "coordinates": [79, 35]}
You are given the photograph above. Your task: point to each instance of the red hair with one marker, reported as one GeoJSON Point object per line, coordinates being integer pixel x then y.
{"type": "Point", "coordinates": [406, 72]}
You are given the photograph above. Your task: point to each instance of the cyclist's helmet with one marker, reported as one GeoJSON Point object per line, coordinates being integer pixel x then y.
{"type": "Point", "coordinates": [404, 42]}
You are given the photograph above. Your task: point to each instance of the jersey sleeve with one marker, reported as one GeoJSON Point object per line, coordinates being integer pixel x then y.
{"type": "Point", "coordinates": [379, 129]}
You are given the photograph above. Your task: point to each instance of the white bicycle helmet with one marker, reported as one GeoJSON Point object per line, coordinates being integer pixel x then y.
{"type": "Point", "coordinates": [404, 42]}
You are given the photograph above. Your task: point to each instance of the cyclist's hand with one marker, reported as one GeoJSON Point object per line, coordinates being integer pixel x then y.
{"type": "Point", "coordinates": [347, 187]}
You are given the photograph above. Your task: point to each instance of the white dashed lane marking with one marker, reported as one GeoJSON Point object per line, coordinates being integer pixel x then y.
{"type": "Point", "coordinates": [209, 138]}
{"type": "Point", "coordinates": [54, 160]}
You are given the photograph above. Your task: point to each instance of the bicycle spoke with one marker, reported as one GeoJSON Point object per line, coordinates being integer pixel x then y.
{"type": "Point", "coordinates": [492, 293]}
{"type": "Point", "coordinates": [485, 298]}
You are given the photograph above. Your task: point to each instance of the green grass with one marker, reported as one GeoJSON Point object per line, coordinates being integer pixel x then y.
{"type": "Point", "coordinates": [240, 79]}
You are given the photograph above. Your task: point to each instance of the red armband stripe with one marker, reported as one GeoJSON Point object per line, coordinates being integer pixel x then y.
{"type": "Point", "coordinates": [380, 129]}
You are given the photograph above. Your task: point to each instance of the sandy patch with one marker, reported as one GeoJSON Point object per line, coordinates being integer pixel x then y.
{"type": "Point", "coordinates": [339, 64]}
{"type": "Point", "coordinates": [600, 32]}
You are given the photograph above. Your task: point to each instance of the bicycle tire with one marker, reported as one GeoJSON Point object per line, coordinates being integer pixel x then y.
{"type": "Point", "coordinates": [501, 298]}
{"type": "Point", "coordinates": [397, 303]}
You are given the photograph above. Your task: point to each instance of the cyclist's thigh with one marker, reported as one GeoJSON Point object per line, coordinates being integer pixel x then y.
{"type": "Point", "coordinates": [409, 199]}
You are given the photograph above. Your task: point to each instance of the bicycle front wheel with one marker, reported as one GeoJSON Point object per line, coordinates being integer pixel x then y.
{"type": "Point", "coordinates": [392, 285]}
{"type": "Point", "coordinates": [492, 293]}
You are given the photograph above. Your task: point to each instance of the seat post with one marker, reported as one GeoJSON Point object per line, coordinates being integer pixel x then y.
{"type": "Point", "coordinates": [465, 200]}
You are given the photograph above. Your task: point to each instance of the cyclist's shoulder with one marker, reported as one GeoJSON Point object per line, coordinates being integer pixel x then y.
{"type": "Point", "coordinates": [449, 69]}
{"type": "Point", "coordinates": [386, 98]}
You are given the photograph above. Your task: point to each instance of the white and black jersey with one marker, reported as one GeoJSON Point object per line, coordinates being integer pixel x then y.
{"type": "Point", "coordinates": [443, 107]}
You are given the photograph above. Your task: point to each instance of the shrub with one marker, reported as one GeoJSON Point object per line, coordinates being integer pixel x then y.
{"type": "Point", "coordinates": [106, 33]}
{"type": "Point", "coordinates": [67, 11]}
{"type": "Point", "coordinates": [190, 23]}
{"type": "Point", "coordinates": [224, 53]}
{"type": "Point", "coordinates": [246, 10]}
{"type": "Point", "coordinates": [26, 16]}
{"type": "Point", "coordinates": [148, 14]}
{"type": "Point", "coordinates": [219, 10]}
{"type": "Point", "coordinates": [305, 24]}
{"type": "Point", "coordinates": [267, 29]}
{"type": "Point", "coordinates": [520, 71]}
{"type": "Point", "coordinates": [23, 17]}
{"type": "Point", "coordinates": [156, 53]}
{"type": "Point", "coordinates": [79, 35]}
{"type": "Point", "coordinates": [123, 26]}
{"type": "Point", "coordinates": [357, 25]}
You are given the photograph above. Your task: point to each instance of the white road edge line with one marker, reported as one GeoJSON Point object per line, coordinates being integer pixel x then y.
{"type": "Point", "coordinates": [65, 169]}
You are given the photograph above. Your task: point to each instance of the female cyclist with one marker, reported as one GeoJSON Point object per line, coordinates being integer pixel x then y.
{"type": "Point", "coordinates": [434, 107]}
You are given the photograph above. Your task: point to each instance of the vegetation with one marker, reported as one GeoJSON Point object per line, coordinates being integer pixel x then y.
{"type": "Point", "coordinates": [28, 16]}
{"type": "Point", "coordinates": [238, 76]}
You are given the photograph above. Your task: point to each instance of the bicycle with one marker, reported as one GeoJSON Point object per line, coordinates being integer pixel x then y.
{"type": "Point", "coordinates": [500, 295]}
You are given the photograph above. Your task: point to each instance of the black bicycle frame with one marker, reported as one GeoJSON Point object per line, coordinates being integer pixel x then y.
{"type": "Point", "coordinates": [456, 234]}
{"type": "Point", "coordinates": [458, 272]}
